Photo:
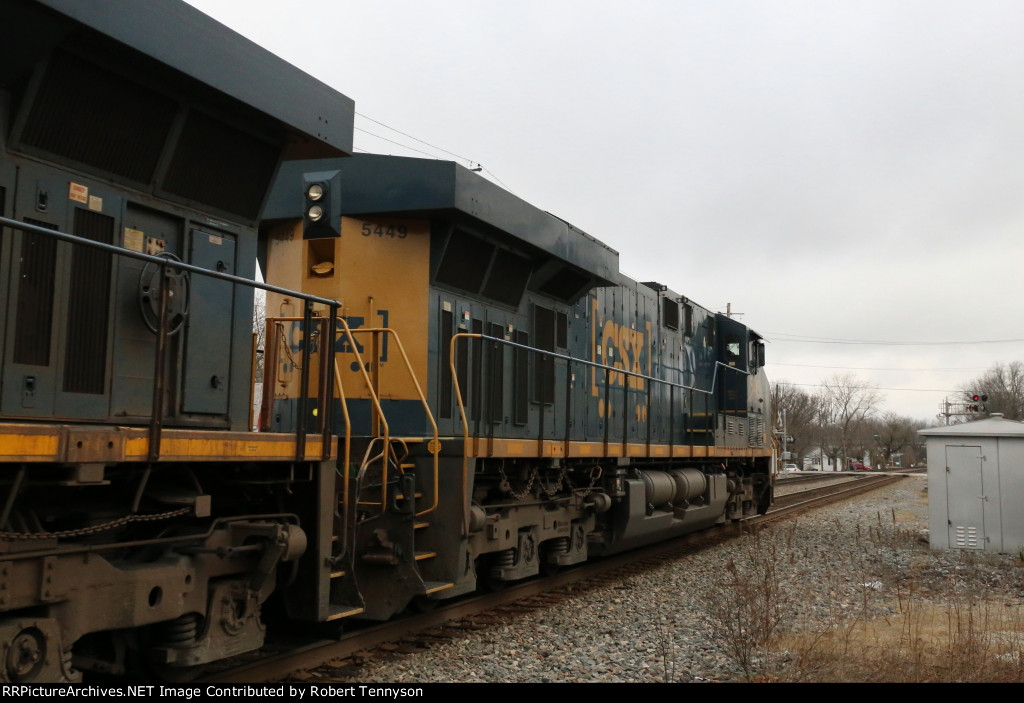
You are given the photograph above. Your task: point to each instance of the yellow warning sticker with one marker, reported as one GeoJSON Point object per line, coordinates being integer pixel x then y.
{"type": "Point", "coordinates": [78, 192]}
{"type": "Point", "coordinates": [133, 239]}
{"type": "Point", "coordinates": [96, 203]}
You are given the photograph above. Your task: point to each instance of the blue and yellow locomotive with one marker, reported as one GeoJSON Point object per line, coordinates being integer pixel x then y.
{"type": "Point", "coordinates": [507, 401]}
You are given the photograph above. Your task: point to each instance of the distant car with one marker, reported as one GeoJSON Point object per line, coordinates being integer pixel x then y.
{"type": "Point", "coordinates": [857, 466]}
{"type": "Point", "coordinates": [790, 468]}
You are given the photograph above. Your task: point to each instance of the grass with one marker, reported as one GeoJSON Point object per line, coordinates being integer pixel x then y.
{"type": "Point", "coordinates": [911, 616]}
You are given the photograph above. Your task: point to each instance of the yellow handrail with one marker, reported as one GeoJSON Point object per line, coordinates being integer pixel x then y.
{"type": "Point", "coordinates": [434, 446]}
{"type": "Point", "coordinates": [348, 449]}
{"type": "Point", "coordinates": [375, 401]}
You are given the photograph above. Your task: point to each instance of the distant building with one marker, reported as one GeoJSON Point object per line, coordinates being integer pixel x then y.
{"type": "Point", "coordinates": [976, 485]}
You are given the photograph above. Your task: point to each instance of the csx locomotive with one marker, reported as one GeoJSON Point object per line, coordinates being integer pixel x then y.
{"type": "Point", "coordinates": [460, 390]}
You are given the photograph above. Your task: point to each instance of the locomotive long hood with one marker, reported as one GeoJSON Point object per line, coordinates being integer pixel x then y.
{"type": "Point", "coordinates": [373, 184]}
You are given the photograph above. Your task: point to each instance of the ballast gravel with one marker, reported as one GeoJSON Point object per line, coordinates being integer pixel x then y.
{"type": "Point", "coordinates": [670, 622]}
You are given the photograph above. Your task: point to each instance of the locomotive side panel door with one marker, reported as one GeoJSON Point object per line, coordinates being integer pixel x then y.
{"type": "Point", "coordinates": [134, 344]}
{"type": "Point", "coordinates": [29, 370]}
{"type": "Point", "coordinates": [208, 344]}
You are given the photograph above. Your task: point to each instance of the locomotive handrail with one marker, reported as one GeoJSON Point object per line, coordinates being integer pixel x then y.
{"type": "Point", "coordinates": [339, 386]}
{"type": "Point", "coordinates": [434, 447]}
{"type": "Point", "coordinates": [349, 334]}
{"type": "Point", "coordinates": [162, 261]}
{"type": "Point", "coordinates": [586, 362]}
{"type": "Point", "coordinates": [608, 370]}
{"type": "Point", "coordinates": [156, 420]}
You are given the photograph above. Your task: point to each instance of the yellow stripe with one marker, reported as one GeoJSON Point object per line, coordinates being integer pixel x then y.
{"type": "Point", "coordinates": [58, 443]}
{"type": "Point", "coordinates": [21, 447]}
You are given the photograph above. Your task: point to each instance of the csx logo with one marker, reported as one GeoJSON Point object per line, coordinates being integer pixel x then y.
{"type": "Point", "coordinates": [620, 347]}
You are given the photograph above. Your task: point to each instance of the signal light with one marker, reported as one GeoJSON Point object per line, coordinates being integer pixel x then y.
{"type": "Point", "coordinates": [321, 215]}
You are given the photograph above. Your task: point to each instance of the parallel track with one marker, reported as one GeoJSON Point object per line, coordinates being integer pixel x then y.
{"type": "Point", "coordinates": [415, 631]}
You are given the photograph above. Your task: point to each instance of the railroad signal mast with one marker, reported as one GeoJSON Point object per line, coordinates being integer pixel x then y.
{"type": "Point", "coordinates": [960, 408]}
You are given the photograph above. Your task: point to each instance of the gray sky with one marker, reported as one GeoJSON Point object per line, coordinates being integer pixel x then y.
{"type": "Point", "coordinates": [837, 170]}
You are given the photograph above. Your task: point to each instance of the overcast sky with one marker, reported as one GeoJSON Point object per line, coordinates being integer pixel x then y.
{"type": "Point", "coordinates": [835, 170]}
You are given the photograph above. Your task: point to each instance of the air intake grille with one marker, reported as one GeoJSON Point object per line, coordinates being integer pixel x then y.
{"type": "Point", "coordinates": [216, 164]}
{"type": "Point", "coordinates": [89, 115]}
{"type": "Point", "coordinates": [35, 297]}
{"type": "Point", "coordinates": [89, 306]}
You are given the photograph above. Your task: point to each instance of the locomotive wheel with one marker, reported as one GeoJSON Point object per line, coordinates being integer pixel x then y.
{"type": "Point", "coordinates": [487, 582]}
{"type": "Point", "coordinates": [492, 584]}
{"type": "Point", "coordinates": [549, 569]}
{"type": "Point", "coordinates": [423, 604]}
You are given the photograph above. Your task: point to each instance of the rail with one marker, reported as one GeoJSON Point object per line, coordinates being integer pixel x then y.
{"type": "Point", "coordinates": [166, 265]}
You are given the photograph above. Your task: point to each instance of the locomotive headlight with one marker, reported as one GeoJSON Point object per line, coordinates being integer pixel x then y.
{"type": "Point", "coordinates": [322, 202]}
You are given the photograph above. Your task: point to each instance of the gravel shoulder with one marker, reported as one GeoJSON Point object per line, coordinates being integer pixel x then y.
{"type": "Point", "coordinates": [694, 618]}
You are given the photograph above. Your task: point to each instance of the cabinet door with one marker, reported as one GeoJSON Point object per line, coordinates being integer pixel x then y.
{"type": "Point", "coordinates": [208, 343]}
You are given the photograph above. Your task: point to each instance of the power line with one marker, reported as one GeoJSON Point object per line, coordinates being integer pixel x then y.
{"type": "Point", "coordinates": [473, 165]}
{"type": "Point", "coordinates": [500, 182]}
{"type": "Point", "coordinates": [392, 141]}
{"type": "Point", "coordinates": [882, 368]}
{"type": "Point", "coordinates": [877, 388]}
{"type": "Point", "coordinates": [450, 153]}
{"type": "Point", "coordinates": [827, 340]}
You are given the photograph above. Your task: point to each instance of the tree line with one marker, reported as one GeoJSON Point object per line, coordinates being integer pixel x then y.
{"type": "Point", "coordinates": [845, 421]}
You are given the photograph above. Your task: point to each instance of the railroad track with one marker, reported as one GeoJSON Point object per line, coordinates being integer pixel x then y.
{"type": "Point", "coordinates": [283, 660]}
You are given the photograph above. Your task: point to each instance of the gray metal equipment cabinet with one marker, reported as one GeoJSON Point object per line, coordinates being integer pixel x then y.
{"type": "Point", "coordinates": [976, 485]}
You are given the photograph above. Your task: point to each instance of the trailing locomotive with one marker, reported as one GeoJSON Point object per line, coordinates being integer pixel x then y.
{"type": "Point", "coordinates": [508, 402]}
{"type": "Point", "coordinates": [141, 523]}
{"type": "Point", "coordinates": [460, 389]}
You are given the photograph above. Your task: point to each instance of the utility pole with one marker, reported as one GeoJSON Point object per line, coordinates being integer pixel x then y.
{"type": "Point", "coordinates": [785, 434]}
{"type": "Point", "coordinates": [728, 311]}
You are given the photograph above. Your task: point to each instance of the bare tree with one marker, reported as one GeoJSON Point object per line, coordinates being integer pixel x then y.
{"type": "Point", "coordinates": [845, 404]}
{"type": "Point", "coordinates": [894, 435]}
{"type": "Point", "coordinates": [1004, 386]}
{"type": "Point", "coordinates": [801, 414]}
{"type": "Point", "coordinates": [259, 330]}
